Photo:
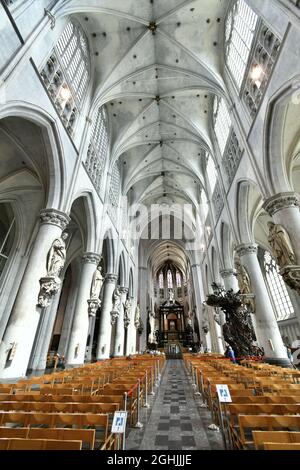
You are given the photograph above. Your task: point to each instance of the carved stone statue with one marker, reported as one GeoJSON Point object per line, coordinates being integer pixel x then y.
{"type": "Point", "coordinates": [127, 311]}
{"type": "Point", "coordinates": [57, 256]}
{"type": "Point", "coordinates": [152, 336]}
{"type": "Point", "coordinates": [97, 283]}
{"type": "Point", "coordinates": [281, 245]}
{"type": "Point", "coordinates": [116, 305]}
{"type": "Point", "coordinates": [94, 302]}
{"type": "Point", "coordinates": [137, 316]}
{"type": "Point", "coordinates": [244, 284]}
{"type": "Point", "coordinates": [51, 283]}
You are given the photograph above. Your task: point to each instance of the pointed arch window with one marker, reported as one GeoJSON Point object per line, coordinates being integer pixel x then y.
{"type": "Point", "coordinates": [222, 123]}
{"type": "Point", "coordinates": [67, 73]}
{"type": "Point", "coordinates": [114, 192]}
{"type": "Point", "coordinates": [161, 280]}
{"type": "Point", "coordinates": [170, 279]}
{"type": "Point", "coordinates": [240, 30]}
{"type": "Point", "coordinates": [283, 306]}
{"type": "Point", "coordinates": [98, 148]}
{"type": "Point", "coordinates": [7, 233]}
{"type": "Point", "coordinates": [178, 279]}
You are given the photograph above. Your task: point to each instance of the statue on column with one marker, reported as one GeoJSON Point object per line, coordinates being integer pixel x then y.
{"type": "Point", "coordinates": [51, 283]}
{"type": "Point", "coordinates": [137, 316]}
{"type": "Point", "coordinates": [96, 286]}
{"type": "Point", "coordinates": [152, 336]}
{"type": "Point", "coordinates": [127, 312]}
{"type": "Point", "coordinates": [57, 256]}
{"type": "Point", "coordinates": [245, 285]}
{"type": "Point", "coordinates": [116, 305]}
{"type": "Point", "coordinates": [281, 245]}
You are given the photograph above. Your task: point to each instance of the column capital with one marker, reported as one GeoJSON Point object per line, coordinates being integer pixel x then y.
{"type": "Point", "coordinates": [111, 278]}
{"type": "Point", "coordinates": [227, 273]}
{"type": "Point", "coordinates": [246, 249]}
{"type": "Point", "coordinates": [54, 217]}
{"type": "Point", "coordinates": [124, 290]}
{"type": "Point", "coordinates": [92, 258]}
{"type": "Point", "coordinates": [281, 201]}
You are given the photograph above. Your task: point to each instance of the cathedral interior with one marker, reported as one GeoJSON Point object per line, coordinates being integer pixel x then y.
{"type": "Point", "coordinates": [150, 224]}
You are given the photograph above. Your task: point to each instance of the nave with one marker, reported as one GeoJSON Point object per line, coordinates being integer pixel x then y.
{"type": "Point", "coordinates": [176, 421]}
{"type": "Point", "coordinates": [170, 405]}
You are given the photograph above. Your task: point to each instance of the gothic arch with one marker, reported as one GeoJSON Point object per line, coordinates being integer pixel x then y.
{"type": "Point", "coordinates": [55, 161]}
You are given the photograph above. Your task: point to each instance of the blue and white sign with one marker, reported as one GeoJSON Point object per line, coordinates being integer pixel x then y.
{"type": "Point", "coordinates": [119, 422]}
{"type": "Point", "coordinates": [224, 394]}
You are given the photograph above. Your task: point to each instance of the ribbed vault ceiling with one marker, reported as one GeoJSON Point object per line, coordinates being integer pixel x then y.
{"type": "Point", "coordinates": [157, 65]}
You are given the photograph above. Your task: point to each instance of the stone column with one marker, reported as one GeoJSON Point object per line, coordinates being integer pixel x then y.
{"type": "Point", "coordinates": [80, 327]}
{"type": "Point", "coordinates": [43, 336]}
{"type": "Point", "coordinates": [268, 334]}
{"type": "Point", "coordinates": [103, 348]}
{"type": "Point", "coordinates": [25, 315]}
{"type": "Point", "coordinates": [130, 330]}
{"type": "Point", "coordinates": [230, 280]}
{"type": "Point", "coordinates": [120, 331]}
{"type": "Point", "coordinates": [284, 209]}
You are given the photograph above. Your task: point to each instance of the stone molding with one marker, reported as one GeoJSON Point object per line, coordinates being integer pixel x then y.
{"type": "Point", "coordinates": [54, 217]}
{"type": "Point", "coordinates": [281, 201]}
{"type": "Point", "coordinates": [111, 278]}
{"type": "Point", "coordinates": [227, 273]}
{"type": "Point", "coordinates": [246, 249]}
{"type": "Point", "coordinates": [91, 258]}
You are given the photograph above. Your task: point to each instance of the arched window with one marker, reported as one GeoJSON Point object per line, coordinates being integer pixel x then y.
{"type": "Point", "coordinates": [161, 280]}
{"type": "Point", "coordinates": [98, 148]}
{"type": "Point", "coordinates": [114, 192]}
{"type": "Point", "coordinates": [280, 296]}
{"type": "Point", "coordinates": [178, 279]}
{"type": "Point", "coordinates": [222, 123]}
{"type": "Point", "coordinates": [170, 279]}
{"type": "Point", "coordinates": [66, 73]}
{"type": "Point", "coordinates": [211, 173]}
{"type": "Point", "coordinates": [7, 233]}
{"type": "Point", "coordinates": [240, 29]}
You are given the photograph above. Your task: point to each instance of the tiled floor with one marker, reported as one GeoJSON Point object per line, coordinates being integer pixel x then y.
{"type": "Point", "coordinates": [175, 420]}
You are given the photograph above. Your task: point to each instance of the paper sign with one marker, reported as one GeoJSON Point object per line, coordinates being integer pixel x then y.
{"type": "Point", "coordinates": [119, 422]}
{"type": "Point", "coordinates": [224, 394]}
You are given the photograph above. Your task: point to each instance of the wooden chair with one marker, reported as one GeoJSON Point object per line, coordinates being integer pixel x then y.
{"type": "Point", "coordinates": [280, 437]}
{"type": "Point", "coordinates": [249, 423]}
{"type": "Point", "coordinates": [39, 444]}
{"type": "Point", "coordinates": [86, 436]}
{"type": "Point", "coordinates": [278, 446]}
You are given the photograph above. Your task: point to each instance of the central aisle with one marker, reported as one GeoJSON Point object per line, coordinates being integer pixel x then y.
{"type": "Point", "coordinates": [176, 422]}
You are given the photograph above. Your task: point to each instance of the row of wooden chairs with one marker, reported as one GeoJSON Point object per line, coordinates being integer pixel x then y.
{"type": "Point", "coordinates": [264, 400]}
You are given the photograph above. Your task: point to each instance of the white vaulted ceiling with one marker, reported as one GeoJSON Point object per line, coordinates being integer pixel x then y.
{"type": "Point", "coordinates": [157, 66]}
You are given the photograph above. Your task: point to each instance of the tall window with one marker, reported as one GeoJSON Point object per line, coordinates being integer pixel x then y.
{"type": "Point", "coordinates": [114, 191]}
{"type": "Point", "coordinates": [161, 281]}
{"type": "Point", "coordinates": [240, 30]}
{"type": "Point", "coordinates": [7, 233]}
{"type": "Point", "coordinates": [98, 148]}
{"type": "Point", "coordinates": [222, 123]}
{"type": "Point", "coordinates": [211, 173]}
{"type": "Point", "coordinates": [66, 73]}
{"type": "Point", "coordinates": [283, 305]}
{"type": "Point", "coordinates": [170, 279]}
{"type": "Point", "coordinates": [178, 279]}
